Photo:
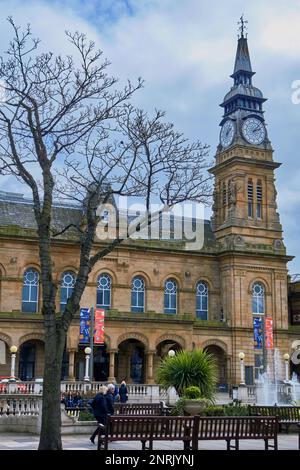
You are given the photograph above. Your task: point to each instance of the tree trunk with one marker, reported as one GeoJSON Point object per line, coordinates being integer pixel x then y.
{"type": "Point", "coordinates": [50, 438]}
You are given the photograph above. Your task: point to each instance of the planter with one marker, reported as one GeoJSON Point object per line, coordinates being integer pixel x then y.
{"type": "Point", "coordinates": [194, 407]}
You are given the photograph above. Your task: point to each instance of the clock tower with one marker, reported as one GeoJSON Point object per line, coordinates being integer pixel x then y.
{"type": "Point", "coordinates": [245, 211]}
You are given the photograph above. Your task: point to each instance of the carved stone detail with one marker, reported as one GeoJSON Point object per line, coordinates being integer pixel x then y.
{"type": "Point", "coordinates": [171, 337]}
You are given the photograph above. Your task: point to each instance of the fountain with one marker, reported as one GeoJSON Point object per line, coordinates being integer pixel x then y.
{"type": "Point", "coordinates": [271, 388]}
{"type": "Point", "coordinates": [295, 389]}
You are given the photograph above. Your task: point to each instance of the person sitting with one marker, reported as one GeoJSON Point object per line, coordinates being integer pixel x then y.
{"type": "Point", "coordinates": [77, 400]}
{"type": "Point", "coordinates": [100, 410]}
{"type": "Point", "coordinates": [123, 392]}
{"type": "Point", "coordinates": [69, 401]}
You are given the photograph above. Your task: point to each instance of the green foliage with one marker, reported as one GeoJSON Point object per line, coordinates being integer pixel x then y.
{"type": "Point", "coordinates": [86, 416]}
{"type": "Point", "coordinates": [212, 410]}
{"type": "Point", "coordinates": [189, 368]}
{"type": "Point", "coordinates": [178, 408]}
{"type": "Point", "coordinates": [192, 392]}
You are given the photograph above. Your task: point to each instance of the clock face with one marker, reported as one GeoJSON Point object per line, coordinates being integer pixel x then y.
{"type": "Point", "coordinates": [254, 131]}
{"type": "Point", "coordinates": [227, 133]}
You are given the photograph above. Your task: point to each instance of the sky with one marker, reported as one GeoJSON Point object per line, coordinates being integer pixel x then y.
{"type": "Point", "coordinates": [185, 50]}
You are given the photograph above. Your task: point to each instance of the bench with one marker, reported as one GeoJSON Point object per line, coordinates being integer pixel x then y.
{"type": "Point", "coordinates": [235, 428]}
{"type": "Point", "coordinates": [147, 428]}
{"type": "Point", "coordinates": [287, 415]}
{"type": "Point", "coordinates": [189, 430]}
{"type": "Point", "coordinates": [144, 409]}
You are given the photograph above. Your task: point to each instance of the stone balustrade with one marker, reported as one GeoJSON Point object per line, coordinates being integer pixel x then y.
{"type": "Point", "coordinates": [17, 405]}
{"type": "Point", "coordinates": [151, 393]}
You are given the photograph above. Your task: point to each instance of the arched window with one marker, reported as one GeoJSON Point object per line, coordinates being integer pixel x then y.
{"type": "Point", "coordinates": [258, 298]}
{"type": "Point", "coordinates": [103, 291]}
{"type": "Point", "coordinates": [170, 297]}
{"type": "Point", "coordinates": [30, 293]}
{"type": "Point", "coordinates": [202, 300]}
{"type": "Point", "coordinates": [138, 294]}
{"type": "Point", "coordinates": [67, 284]}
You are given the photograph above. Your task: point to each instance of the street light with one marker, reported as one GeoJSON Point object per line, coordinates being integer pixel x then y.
{"type": "Point", "coordinates": [171, 353]}
{"type": "Point", "coordinates": [286, 358]}
{"type": "Point", "coordinates": [87, 352]}
{"type": "Point", "coordinates": [13, 351]}
{"type": "Point", "coordinates": [242, 357]}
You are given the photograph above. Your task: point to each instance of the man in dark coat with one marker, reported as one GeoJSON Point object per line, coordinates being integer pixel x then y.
{"type": "Point", "coordinates": [110, 399]}
{"type": "Point", "coordinates": [100, 410]}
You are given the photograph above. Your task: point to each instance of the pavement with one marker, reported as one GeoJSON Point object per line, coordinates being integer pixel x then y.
{"type": "Point", "coordinates": [12, 441]}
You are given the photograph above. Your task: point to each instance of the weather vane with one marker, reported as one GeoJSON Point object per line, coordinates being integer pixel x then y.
{"type": "Point", "coordinates": [242, 25]}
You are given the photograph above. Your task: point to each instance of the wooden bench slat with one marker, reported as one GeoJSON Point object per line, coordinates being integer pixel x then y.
{"type": "Point", "coordinates": [190, 429]}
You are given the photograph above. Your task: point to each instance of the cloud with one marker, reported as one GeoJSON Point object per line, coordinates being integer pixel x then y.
{"type": "Point", "coordinates": [185, 52]}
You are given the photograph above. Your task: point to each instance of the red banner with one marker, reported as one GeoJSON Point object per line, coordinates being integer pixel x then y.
{"type": "Point", "coordinates": [269, 333]}
{"type": "Point", "coordinates": [99, 326]}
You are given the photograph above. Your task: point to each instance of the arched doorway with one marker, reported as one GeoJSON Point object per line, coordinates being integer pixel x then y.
{"type": "Point", "coordinates": [130, 363]}
{"type": "Point", "coordinates": [220, 357]}
{"type": "Point", "coordinates": [100, 361]}
{"type": "Point", "coordinates": [31, 360]}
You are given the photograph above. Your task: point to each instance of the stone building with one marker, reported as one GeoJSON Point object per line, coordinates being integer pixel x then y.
{"type": "Point", "coordinates": [229, 296]}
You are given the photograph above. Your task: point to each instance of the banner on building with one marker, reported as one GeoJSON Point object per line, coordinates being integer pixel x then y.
{"type": "Point", "coordinates": [258, 332]}
{"type": "Point", "coordinates": [269, 333]}
{"type": "Point", "coordinates": [85, 321]}
{"type": "Point", "coordinates": [99, 326]}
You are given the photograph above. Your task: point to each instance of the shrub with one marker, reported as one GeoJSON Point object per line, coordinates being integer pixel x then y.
{"type": "Point", "coordinates": [236, 410]}
{"type": "Point", "coordinates": [213, 411]}
{"type": "Point", "coordinates": [192, 392]}
{"type": "Point", "coordinates": [178, 408]}
{"type": "Point", "coordinates": [86, 416]}
{"type": "Point", "coordinates": [189, 368]}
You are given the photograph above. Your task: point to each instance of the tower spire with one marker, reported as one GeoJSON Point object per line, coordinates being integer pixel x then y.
{"type": "Point", "coordinates": [242, 58]}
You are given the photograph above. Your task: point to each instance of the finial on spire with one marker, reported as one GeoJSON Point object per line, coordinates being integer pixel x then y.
{"type": "Point", "coordinates": [242, 26]}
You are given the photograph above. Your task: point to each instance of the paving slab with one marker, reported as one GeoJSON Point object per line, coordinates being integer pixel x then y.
{"type": "Point", "coordinates": [12, 441]}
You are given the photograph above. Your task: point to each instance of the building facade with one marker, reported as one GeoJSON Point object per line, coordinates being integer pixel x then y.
{"type": "Point", "coordinates": [229, 296]}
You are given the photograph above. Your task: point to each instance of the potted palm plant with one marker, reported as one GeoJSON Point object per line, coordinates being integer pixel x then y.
{"type": "Point", "coordinates": [192, 401]}
{"type": "Point", "coordinates": [190, 369]}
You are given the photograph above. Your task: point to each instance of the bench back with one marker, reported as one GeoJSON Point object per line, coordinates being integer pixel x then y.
{"type": "Point", "coordinates": [149, 427]}
{"type": "Point", "coordinates": [145, 409]}
{"type": "Point", "coordinates": [282, 412]}
{"type": "Point", "coordinates": [236, 427]}
{"type": "Point", "coordinates": [190, 428]}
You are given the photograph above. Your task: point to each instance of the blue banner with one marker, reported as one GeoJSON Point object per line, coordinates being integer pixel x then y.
{"type": "Point", "coordinates": [258, 332]}
{"type": "Point", "coordinates": [85, 321]}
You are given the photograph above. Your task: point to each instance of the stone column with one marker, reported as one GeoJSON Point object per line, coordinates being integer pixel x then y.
{"type": "Point", "coordinates": [150, 356]}
{"type": "Point", "coordinates": [71, 375]}
{"type": "Point", "coordinates": [228, 370]}
{"type": "Point", "coordinates": [112, 353]}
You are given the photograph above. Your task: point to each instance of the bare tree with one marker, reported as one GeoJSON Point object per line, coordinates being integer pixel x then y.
{"type": "Point", "coordinates": [66, 129]}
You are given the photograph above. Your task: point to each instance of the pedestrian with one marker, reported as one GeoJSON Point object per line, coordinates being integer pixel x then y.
{"type": "Point", "coordinates": [110, 399]}
{"type": "Point", "coordinates": [123, 392]}
{"type": "Point", "coordinates": [116, 393]}
{"type": "Point", "coordinates": [100, 410]}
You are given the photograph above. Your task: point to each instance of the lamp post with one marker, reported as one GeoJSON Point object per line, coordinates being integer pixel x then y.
{"type": "Point", "coordinates": [286, 358]}
{"type": "Point", "coordinates": [171, 353]}
{"type": "Point", "coordinates": [13, 351]}
{"type": "Point", "coordinates": [87, 352]}
{"type": "Point", "coordinates": [242, 357]}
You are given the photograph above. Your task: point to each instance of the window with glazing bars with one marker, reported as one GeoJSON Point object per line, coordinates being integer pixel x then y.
{"type": "Point", "coordinates": [259, 200]}
{"type": "Point", "coordinates": [250, 198]}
